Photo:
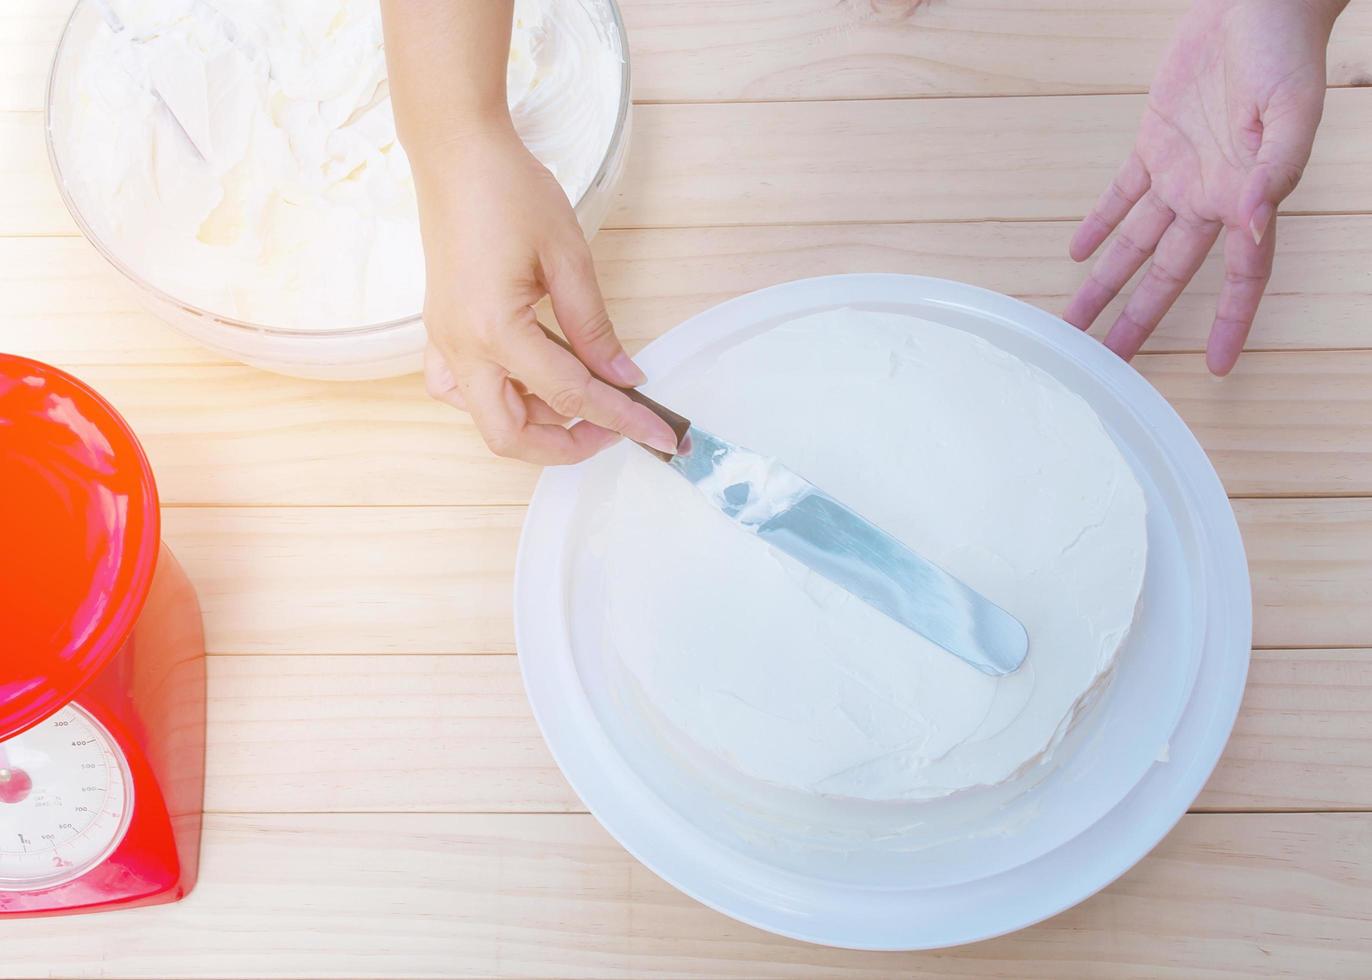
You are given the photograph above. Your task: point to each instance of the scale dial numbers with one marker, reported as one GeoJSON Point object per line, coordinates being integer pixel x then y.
{"type": "Point", "coordinates": [65, 800]}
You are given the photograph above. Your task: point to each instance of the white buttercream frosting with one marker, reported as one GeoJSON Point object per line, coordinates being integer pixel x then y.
{"type": "Point", "coordinates": [301, 211]}
{"type": "Point", "coordinates": [978, 460]}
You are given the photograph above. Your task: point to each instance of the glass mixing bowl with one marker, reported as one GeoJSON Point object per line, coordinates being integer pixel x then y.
{"type": "Point", "coordinates": [375, 350]}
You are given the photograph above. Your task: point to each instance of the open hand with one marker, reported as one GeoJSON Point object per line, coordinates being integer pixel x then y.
{"type": "Point", "coordinates": [1226, 133]}
{"type": "Point", "coordinates": [499, 234]}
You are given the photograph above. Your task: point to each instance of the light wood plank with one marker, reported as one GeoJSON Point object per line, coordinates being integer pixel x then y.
{"type": "Point", "coordinates": [235, 435]}
{"type": "Point", "coordinates": [879, 160]}
{"type": "Point", "coordinates": [60, 301]}
{"type": "Point", "coordinates": [350, 580]}
{"type": "Point", "coordinates": [1279, 425]}
{"type": "Point", "coordinates": [29, 30]}
{"type": "Point", "coordinates": [1319, 296]}
{"type": "Point", "coordinates": [29, 201]}
{"type": "Point", "coordinates": [1286, 424]}
{"type": "Point", "coordinates": [1283, 424]}
{"type": "Point", "coordinates": [1303, 739]}
{"type": "Point", "coordinates": [455, 734]}
{"type": "Point", "coordinates": [439, 579]}
{"type": "Point", "coordinates": [817, 49]}
{"type": "Point", "coordinates": [924, 159]}
{"type": "Point", "coordinates": [511, 895]}
{"type": "Point", "coordinates": [1311, 566]}
{"type": "Point", "coordinates": [376, 733]}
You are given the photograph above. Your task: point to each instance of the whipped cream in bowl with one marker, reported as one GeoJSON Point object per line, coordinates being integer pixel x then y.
{"type": "Point", "coordinates": [238, 163]}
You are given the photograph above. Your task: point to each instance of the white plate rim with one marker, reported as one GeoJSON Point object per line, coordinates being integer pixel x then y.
{"type": "Point", "coordinates": [663, 840]}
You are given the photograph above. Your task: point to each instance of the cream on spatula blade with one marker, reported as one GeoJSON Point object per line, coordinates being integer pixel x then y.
{"type": "Point", "coordinates": [794, 516]}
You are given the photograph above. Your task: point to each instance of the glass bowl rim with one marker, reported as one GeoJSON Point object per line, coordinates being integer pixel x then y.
{"type": "Point", "coordinates": [607, 162]}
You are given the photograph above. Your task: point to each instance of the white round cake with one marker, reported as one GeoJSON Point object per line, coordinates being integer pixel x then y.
{"type": "Point", "coordinates": [979, 461]}
{"type": "Point", "coordinates": [242, 157]}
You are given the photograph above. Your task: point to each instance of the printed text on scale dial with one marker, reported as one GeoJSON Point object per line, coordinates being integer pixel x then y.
{"type": "Point", "coordinates": [64, 800]}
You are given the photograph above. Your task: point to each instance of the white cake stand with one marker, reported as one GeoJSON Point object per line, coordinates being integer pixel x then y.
{"type": "Point", "coordinates": [1123, 780]}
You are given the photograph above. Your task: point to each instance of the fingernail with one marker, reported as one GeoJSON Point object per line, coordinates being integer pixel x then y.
{"type": "Point", "coordinates": [626, 372]}
{"type": "Point", "coordinates": [1262, 217]}
{"type": "Point", "coordinates": [1219, 369]}
{"type": "Point", "coordinates": [664, 444]}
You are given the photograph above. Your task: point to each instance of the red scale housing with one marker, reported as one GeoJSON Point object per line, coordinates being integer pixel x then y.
{"type": "Point", "coordinates": [95, 610]}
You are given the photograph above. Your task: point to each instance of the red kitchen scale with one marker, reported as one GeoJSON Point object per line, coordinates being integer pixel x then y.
{"type": "Point", "coordinates": [102, 671]}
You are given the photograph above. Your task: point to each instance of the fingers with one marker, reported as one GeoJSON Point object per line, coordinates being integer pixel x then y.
{"type": "Point", "coordinates": [525, 419]}
{"type": "Point", "coordinates": [560, 379]}
{"type": "Point", "coordinates": [569, 276]}
{"type": "Point", "coordinates": [541, 412]}
{"type": "Point", "coordinates": [1138, 236]}
{"type": "Point", "coordinates": [1247, 268]}
{"type": "Point", "coordinates": [1179, 254]}
{"type": "Point", "coordinates": [502, 416]}
{"type": "Point", "coordinates": [1130, 184]}
{"type": "Point", "coordinates": [442, 386]}
{"type": "Point", "coordinates": [1267, 186]}
{"type": "Point", "coordinates": [439, 381]}
{"type": "Point", "coordinates": [1289, 122]}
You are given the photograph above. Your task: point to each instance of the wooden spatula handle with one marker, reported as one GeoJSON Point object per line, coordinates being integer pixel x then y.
{"type": "Point", "coordinates": [678, 423]}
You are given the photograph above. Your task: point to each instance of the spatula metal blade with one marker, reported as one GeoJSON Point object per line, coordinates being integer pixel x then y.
{"type": "Point", "coordinates": [797, 518]}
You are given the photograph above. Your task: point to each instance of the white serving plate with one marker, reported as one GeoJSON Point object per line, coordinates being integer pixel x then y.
{"type": "Point", "coordinates": [907, 876]}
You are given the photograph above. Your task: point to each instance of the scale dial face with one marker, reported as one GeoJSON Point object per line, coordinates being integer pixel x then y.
{"type": "Point", "coordinates": [65, 800]}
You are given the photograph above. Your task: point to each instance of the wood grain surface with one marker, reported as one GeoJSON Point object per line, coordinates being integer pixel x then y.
{"type": "Point", "coordinates": [454, 734]}
{"type": "Point", "coordinates": [413, 579]}
{"type": "Point", "coordinates": [870, 160]}
{"type": "Point", "coordinates": [1288, 424]}
{"type": "Point", "coordinates": [366, 895]}
{"type": "Point", "coordinates": [57, 296]}
{"type": "Point", "coordinates": [761, 50]}
{"type": "Point", "coordinates": [381, 802]}
{"type": "Point", "coordinates": [776, 50]}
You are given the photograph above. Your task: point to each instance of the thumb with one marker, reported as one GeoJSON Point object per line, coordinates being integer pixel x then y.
{"type": "Point", "coordinates": [570, 278]}
{"type": "Point", "coordinates": [1288, 132]}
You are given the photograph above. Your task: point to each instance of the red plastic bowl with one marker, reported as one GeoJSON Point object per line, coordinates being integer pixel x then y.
{"type": "Point", "coordinates": [79, 533]}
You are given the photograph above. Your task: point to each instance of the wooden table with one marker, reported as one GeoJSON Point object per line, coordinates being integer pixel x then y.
{"type": "Point", "coordinates": [380, 801]}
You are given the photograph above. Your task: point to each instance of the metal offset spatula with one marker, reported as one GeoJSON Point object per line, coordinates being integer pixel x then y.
{"type": "Point", "coordinates": [793, 515]}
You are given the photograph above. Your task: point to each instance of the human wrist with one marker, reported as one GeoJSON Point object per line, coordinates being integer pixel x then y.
{"type": "Point", "coordinates": [1324, 12]}
{"type": "Point", "coordinates": [1321, 12]}
{"type": "Point", "coordinates": [442, 136]}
